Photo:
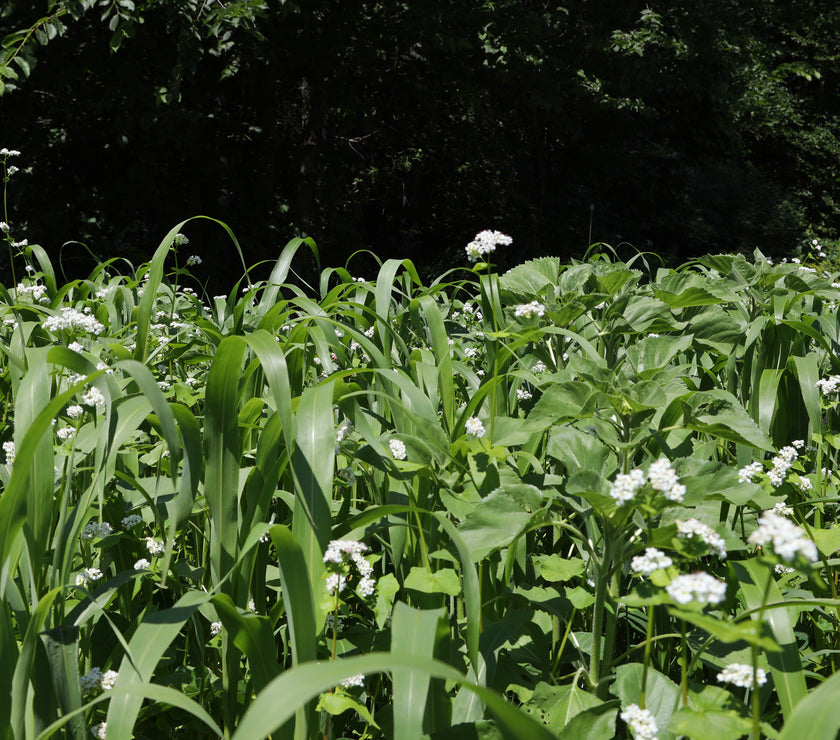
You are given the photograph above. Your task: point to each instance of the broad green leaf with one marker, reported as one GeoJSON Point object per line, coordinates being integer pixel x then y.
{"type": "Point", "coordinates": [443, 581]}
{"type": "Point", "coordinates": [816, 716]}
{"type": "Point", "coordinates": [705, 723]}
{"type": "Point", "coordinates": [415, 632]}
{"type": "Point", "coordinates": [499, 519]}
{"type": "Point", "coordinates": [555, 568]}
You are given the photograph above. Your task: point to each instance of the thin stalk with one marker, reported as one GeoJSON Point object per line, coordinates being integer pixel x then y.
{"type": "Point", "coordinates": [646, 661]}
{"type": "Point", "coordinates": [563, 641]}
{"type": "Point", "coordinates": [684, 663]}
{"type": "Point", "coordinates": [756, 707]}
{"type": "Point", "coordinates": [598, 618]}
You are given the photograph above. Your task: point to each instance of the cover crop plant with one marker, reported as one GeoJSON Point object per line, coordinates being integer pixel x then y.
{"type": "Point", "coordinates": [592, 499]}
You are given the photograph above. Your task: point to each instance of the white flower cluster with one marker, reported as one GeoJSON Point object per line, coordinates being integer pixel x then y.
{"type": "Point", "coordinates": [132, 520]}
{"type": "Point", "coordinates": [828, 385]}
{"type": "Point", "coordinates": [155, 547]}
{"type": "Point", "coordinates": [96, 529]}
{"type": "Point", "coordinates": [335, 555]}
{"type": "Point", "coordinates": [474, 427]}
{"type": "Point", "coordinates": [486, 242]}
{"type": "Point", "coordinates": [663, 478]}
{"type": "Point", "coordinates": [397, 449]}
{"type": "Point", "coordinates": [694, 528]}
{"type": "Point", "coordinates": [88, 575]}
{"type": "Point", "coordinates": [357, 680]}
{"type": "Point", "coordinates": [9, 449]}
{"type": "Point", "coordinates": [65, 433]}
{"type": "Point", "coordinates": [95, 679]}
{"type": "Point", "coordinates": [9, 152]}
{"type": "Point", "coordinates": [641, 721]}
{"type": "Point", "coordinates": [700, 587]}
{"type": "Point", "coordinates": [99, 731]}
{"type": "Point", "coordinates": [527, 310]}
{"type": "Point", "coordinates": [625, 486]}
{"type": "Point", "coordinates": [69, 318]}
{"type": "Point", "coordinates": [75, 411]}
{"type": "Point", "coordinates": [523, 395]}
{"type": "Point", "coordinates": [747, 473]}
{"type": "Point", "coordinates": [787, 539]}
{"type": "Point", "coordinates": [742, 675]}
{"type": "Point", "coordinates": [652, 560]}
{"type": "Point", "coordinates": [344, 430]}
{"type": "Point", "coordinates": [142, 564]}
{"type": "Point", "coordinates": [38, 292]}
{"type": "Point", "coordinates": [781, 464]}
{"type": "Point", "coordinates": [215, 628]}
{"type": "Point", "coordinates": [539, 367]}
{"type": "Point", "coordinates": [193, 260]}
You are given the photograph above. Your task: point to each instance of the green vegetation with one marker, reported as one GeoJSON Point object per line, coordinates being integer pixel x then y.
{"type": "Point", "coordinates": [564, 501]}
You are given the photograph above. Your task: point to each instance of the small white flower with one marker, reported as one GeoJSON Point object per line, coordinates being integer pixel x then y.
{"type": "Point", "coordinates": [335, 582]}
{"type": "Point", "coordinates": [343, 430]}
{"type": "Point", "coordinates": [65, 433]}
{"type": "Point", "coordinates": [75, 411]}
{"type": "Point", "coordinates": [93, 397]}
{"type": "Point", "coordinates": [193, 260]}
{"type": "Point", "coordinates": [700, 587]}
{"type": "Point", "coordinates": [215, 628]}
{"type": "Point", "coordinates": [746, 474]}
{"type": "Point", "coordinates": [624, 488]}
{"type": "Point", "coordinates": [486, 242]}
{"type": "Point", "coordinates": [538, 368]}
{"type": "Point", "coordinates": [828, 385]}
{"type": "Point", "coordinates": [142, 564]}
{"type": "Point", "coordinates": [786, 538]}
{"type": "Point", "coordinates": [109, 680]}
{"type": "Point", "coordinates": [523, 395]}
{"type": "Point", "coordinates": [694, 528]}
{"type": "Point", "coordinates": [641, 721]}
{"type": "Point", "coordinates": [99, 731]}
{"type": "Point", "coordinates": [474, 427]}
{"type": "Point", "coordinates": [87, 576]}
{"type": "Point", "coordinates": [252, 607]}
{"type": "Point", "coordinates": [397, 449]}
{"type": "Point", "coordinates": [652, 560]}
{"type": "Point", "coordinates": [9, 449]}
{"type": "Point", "coordinates": [527, 310]}
{"type": "Point", "coordinates": [357, 680]}
{"type": "Point", "coordinates": [742, 675]}
{"type": "Point", "coordinates": [366, 587]}
{"type": "Point", "coordinates": [155, 547]}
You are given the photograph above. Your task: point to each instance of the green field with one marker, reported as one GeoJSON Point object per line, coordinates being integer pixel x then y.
{"type": "Point", "coordinates": [583, 500]}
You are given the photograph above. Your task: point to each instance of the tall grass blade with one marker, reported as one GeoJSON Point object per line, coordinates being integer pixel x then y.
{"type": "Point", "coordinates": [276, 704]}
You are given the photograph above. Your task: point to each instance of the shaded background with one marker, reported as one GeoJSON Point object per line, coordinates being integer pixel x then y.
{"type": "Point", "coordinates": [404, 128]}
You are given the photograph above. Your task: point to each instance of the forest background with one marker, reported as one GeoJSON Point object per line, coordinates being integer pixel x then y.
{"type": "Point", "coordinates": [680, 127]}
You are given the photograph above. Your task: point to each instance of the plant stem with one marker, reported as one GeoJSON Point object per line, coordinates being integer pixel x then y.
{"type": "Point", "coordinates": [684, 666]}
{"type": "Point", "coordinates": [646, 661]}
{"type": "Point", "coordinates": [598, 617]}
